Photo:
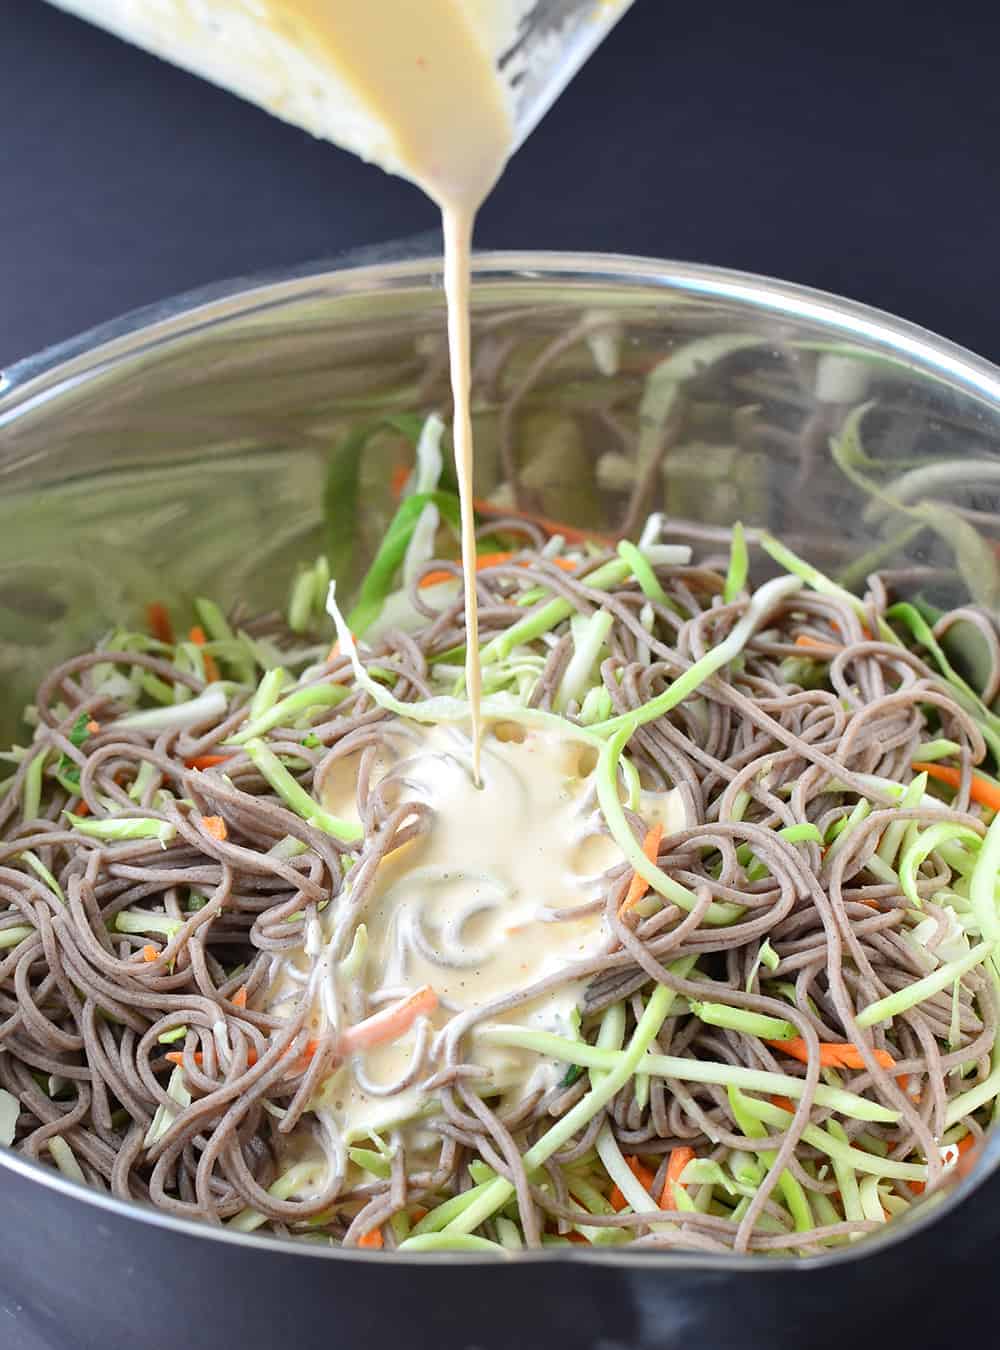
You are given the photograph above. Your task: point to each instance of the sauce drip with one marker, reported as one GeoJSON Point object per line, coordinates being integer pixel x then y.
{"type": "Point", "coordinates": [423, 75]}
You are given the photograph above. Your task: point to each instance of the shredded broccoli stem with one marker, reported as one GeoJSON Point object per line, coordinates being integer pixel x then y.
{"type": "Point", "coordinates": [290, 708]}
{"type": "Point", "coordinates": [643, 573]}
{"type": "Point", "coordinates": [739, 566]}
{"type": "Point", "coordinates": [295, 796]}
{"type": "Point", "coordinates": [739, 1019]}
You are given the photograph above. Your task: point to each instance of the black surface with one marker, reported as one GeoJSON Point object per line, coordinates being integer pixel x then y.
{"type": "Point", "coordinates": [851, 147]}
{"type": "Point", "coordinates": [80, 1278]}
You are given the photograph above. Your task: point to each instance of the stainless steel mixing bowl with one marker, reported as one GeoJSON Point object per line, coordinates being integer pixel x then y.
{"type": "Point", "coordinates": [208, 444]}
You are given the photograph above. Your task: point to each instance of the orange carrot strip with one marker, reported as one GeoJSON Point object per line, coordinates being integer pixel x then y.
{"type": "Point", "coordinates": [982, 789]}
{"type": "Point", "coordinates": [149, 952]}
{"type": "Point", "coordinates": [642, 1174]}
{"type": "Point", "coordinates": [679, 1159]}
{"type": "Point", "coordinates": [570, 533]}
{"type": "Point", "coordinates": [397, 480]}
{"type": "Point", "coordinates": [93, 727]}
{"type": "Point", "coordinates": [866, 632]}
{"type": "Point", "coordinates": [488, 560]}
{"type": "Point", "coordinates": [215, 826]}
{"type": "Point", "coordinates": [639, 885]}
{"type": "Point", "coordinates": [372, 1239]}
{"type": "Point", "coordinates": [240, 997]}
{"type": "Point", "coordinates": [82, 808]}
{"type": "Point", "coordinates": [177, 1057]}
{"type": "Point", "coordinates": [814, 644]}
{"type": "Point", "coordinates": [389, 1024]}
{"type": "Point", "coordinates": [158, 622]}
{"type": "Point", "coordinates": [197, 636]}
{"type": "Point", "coordinates": [574, 1236]}
{"type": "Point", "coordinates": [832, 1055]}
{"type": "Point", "coordinates": [205, 761]}
{"type": "Point", "coordinates": [785, 1103]}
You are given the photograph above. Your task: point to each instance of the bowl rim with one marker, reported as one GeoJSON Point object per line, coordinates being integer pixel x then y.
{"type": "Point", "coordinates": [417, 261]}
{"type": "Point", "coordinates": [73, 361]}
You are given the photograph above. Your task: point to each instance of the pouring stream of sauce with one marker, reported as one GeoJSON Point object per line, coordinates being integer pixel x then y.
{"type": "Point", "coordinates": [425, 76]}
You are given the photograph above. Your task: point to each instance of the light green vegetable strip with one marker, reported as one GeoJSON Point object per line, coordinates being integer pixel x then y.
{"type": "Point", "coordinates": [639, 1199]}
{"type": "Point", "coordinates": [862, 809]}
{"type": "Point", "coordinates": [767, 956]}
{"type": "Point", "coordinates": [596, 705]}
{"type": "Point", "coordinates": [297, 1178]}
{"type": "Point", "coordinates": [982, 888]}
{"type": "Point", "coordinates": [350, 967]}
{"type": "Point", "coordinates": [141, 827]}
{"type": "Point", "coordinates": [155, 687]}
{"type": "Point", "coordinates": [302, 600]}
{"type": "Point", "coordinates": [268, 692]}
{"type": "Point", "coordinates": [41, 870]}
{"type": "Point", "coordinates": [892, 839]}
{"type": "Point", "coordinates": [688, 1071]}
{"type": "Point", "coordinates": [925, 842]}
{"type": "Point", "coordinates": [606, 781]}
{"type": "Point", "coordinates": [65, 1159]}
{"type": "Point", "coordinates": [739, 566]}
{"type": "Point", "coordinates": [761, 603]}
{"type": "Point", "coordinates": [442, 1214]}
{"type": "Point", "coordinates": [795, 1197]}
{"type": "Point", "coordinates": [610, 1036]}
{"type": "Point", "coordinates": [534, 625]}
{"type": "Point", "coordinates": [31, 786]}
{"type": "Point", "coordinates": [137, 921]}
{"type": "Point", "coordinates": [142, 780]}
{"type": "Point", "coordinates": [931, 751]}
{"type": "Point", "coordinates": [288, 709]}
{"type": "Point", "coordinates": [172, 1036]}
{"type": "Point", "coordinates": [903, 999]}
{"type": "Point", "coordinates": [847, 1180]}
{"type": "Point", "coordinates": [739, 1019]}
{"type": "Point", "coordinates": [705, 1172]}
{"type": "Point", "coordinates": [165, 1116]}
{"type": "Point", "coordinates": [871, 1205]}
{"type": "Point", "coordinates": [10, 1109]}
{"type": "Point", "coordinates": [509, 1234]}
{"type": "Point", "coordinates": [295, 796]}
{"type": "Point", "coordinates": [10, 937]}
{"type": "Point", "coordinates": [791, 562]}
{"type": "Point", "coordinates": [588, 638]}
{"type": "Point", "coordinates": [210, 705]}
{"type": "Point", "coordinates": [643, 573]}
{"type": "Point", "coordinates": [450, 1241]}
{"type": "Point", "coordinates": [499, 1192]}
{"type": "Point", "coordinates": [370, 1161]}
{"type": "Point", "coordinates": [827, 1143]}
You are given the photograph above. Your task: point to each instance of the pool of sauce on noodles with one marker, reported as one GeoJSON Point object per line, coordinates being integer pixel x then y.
{"type": "Point", "coordinates": [470, 906]}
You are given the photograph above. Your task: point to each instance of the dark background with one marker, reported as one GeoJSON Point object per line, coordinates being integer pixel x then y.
{"type": "Point", "coordinates": [849, 146]}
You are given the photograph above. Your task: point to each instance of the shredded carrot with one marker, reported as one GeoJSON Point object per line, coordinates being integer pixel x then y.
{"type": "Point", "coordinates": [197, 636]}
{"type": "Point", "coordinates": [149, 952]}
{"type": "Point", "coordinates": [785, 1103]}
{"type": "Point", "coordinates": [982, 789]}
{"type": "Point", "coordinates": [82, 808]}
{"type": "Point", "coordinates": [488, 560]}
{"type": "Point", "coordinates": [177, 1057]}
{"type": "Point", "coordinates": [240, 997]}
{"type": "Point", "coordinates": [574, 1236]}
{"type": "Point", "coordinates": [866, 632]}
{"type": "Point", "coordinates": [93, 727]}
{"type": "Point", "coordinates": [372, 1239]}
{"type": "Point", "coordinates": [205, 761]}
{"type": "Point", "coordinates": [158, 622]}
{"type": "Point", "coordinates": [639, 885]}
{"type": "Point", "coordinates": [642, 1174]}
{"type": "Point", "coordinates": [571, 533]}
{"type": "Point", "coordinates": [417, 1213]}
{"type": "Point", "coordinates": [679, 1159]}
{"type": "Point", "coordinates": [397, 480]}
{"type": "Point", "coordinates": [215, 826]}
{"type": "Point", "coordinates": [389, 1024]}
{"type": "Point", "coordinates": [833, 1055]}
{"type": "Point", "coordinates": [814, 644]}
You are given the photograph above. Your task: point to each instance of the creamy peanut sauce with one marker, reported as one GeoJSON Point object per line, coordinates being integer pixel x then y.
{"type": "Point", "coordinates": [476, 907]}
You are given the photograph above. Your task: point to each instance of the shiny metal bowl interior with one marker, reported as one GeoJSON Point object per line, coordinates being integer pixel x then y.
{"type": "Point", "coordinates": [209, 444]}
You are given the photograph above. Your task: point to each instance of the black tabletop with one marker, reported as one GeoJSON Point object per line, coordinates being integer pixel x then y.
{"type": "Point", "coordinates": [851, 147]}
